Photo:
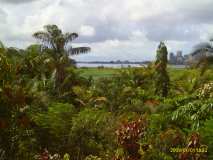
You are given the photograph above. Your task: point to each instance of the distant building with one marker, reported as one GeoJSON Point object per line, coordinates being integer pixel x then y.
{"type": "Point", "coordinates": [179, 58]}
{"type": "Point", "coordinates": [179, 54]}
{"type": "Point", "coordinates": [195, 56]}
{"type": "Point", "coordinates": [172, 58]}
{"type": "Point", "coordinates": [176, 59]}
{"type": "Point", "coordinates": [201, 50]}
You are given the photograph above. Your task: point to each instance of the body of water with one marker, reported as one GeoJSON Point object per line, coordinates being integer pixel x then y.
{"type": "Point", "coordinates": [106, 65]}
{"type": "Point", "coordinates": [111, 65]}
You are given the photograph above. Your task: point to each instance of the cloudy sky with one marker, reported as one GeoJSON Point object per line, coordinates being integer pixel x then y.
{"type": "Point", "coordinates": [114, 29]}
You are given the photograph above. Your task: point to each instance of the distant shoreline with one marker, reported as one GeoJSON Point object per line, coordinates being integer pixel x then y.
{"type": "Point", "coordinates": [122, 62]}
{"type": "Point", "coordinates": [113, 62]}
{"type": "Point", "coordinates": [119, 65]}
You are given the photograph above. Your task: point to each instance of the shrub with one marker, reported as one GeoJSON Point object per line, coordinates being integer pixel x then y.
{"type": "Point", "coordinates": [91, 132]}
{"type": "Point", "coordinates": [53, 126]}
{"type": "Point", "coordinates": [129, 134]}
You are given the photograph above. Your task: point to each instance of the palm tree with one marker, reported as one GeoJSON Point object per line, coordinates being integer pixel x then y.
{"type": "Point", "coordinates": [57, 45]}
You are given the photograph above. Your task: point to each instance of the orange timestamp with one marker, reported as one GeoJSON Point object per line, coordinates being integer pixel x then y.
{"type": "Point", "coordinates": [189, 150]}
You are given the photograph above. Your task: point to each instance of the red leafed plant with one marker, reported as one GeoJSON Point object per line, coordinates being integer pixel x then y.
{"type": "Point", "coordinates": [43, 156]}
{"type": "Point", "coordinates": [128, 135]}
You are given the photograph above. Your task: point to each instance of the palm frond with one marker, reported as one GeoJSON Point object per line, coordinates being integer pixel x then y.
{"type": "Point", "coordinates": [53, 30]}
{"type": "Point", "coordinates": [79, 50]}
{"type": "Point", "coordinates": [43, 36]}
{"type": "Point", "coordinates": [70, 37]}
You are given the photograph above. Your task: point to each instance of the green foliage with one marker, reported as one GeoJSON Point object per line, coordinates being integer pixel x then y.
{"type": "Point", "coordinates": [197, 112]}
{"type": "Point", "coordinates": [206, 91]}
{"type": "Point", "coordinates": [91, 157]}
{"type": "Point", "coordinates": [206, 133]}
{"type": "Point", "coordinates": [91, 131]}
{"type": "Point", "coordinates": [66, 156]}
{"type": "Point", "coordinates": [154, 154]}
{"type": "Point", "coordinates": [53, 126]}
{"type": "Point", "coordinates": [184, 82]}
{"type": "Point", "coordinates": [125, 91]}
{"type": "Point", "coordinates": [57, 119]}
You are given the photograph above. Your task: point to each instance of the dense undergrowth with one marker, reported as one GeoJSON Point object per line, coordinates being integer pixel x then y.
{"type": "Point", "coordinates": [119, 117]}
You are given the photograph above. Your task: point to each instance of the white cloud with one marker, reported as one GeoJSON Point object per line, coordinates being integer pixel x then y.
{"type": "Point", "coordinates": [115, 29]}
{"type": "Point", "coordinates": [17, 1]}
{"type": "Point", "coordinates": [87, 30]}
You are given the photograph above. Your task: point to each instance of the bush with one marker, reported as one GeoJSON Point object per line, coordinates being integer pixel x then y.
{"type": "Point", "coordinates": [53, 126]}
{"type": "Point", "coordinates": [129, 134]}
{"type": "Point", "coordinates": [91, 132]}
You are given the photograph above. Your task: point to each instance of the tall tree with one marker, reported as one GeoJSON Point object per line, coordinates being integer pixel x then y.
{"type": "Point", "coordinates": [57, 44]}
{"type": "Point", "coordinates": [161, 75]}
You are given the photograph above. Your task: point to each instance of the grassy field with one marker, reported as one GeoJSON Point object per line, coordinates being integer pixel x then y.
{"type": "Point", "coordinates": [108, 72]}
{"type": "Point", "coordinates": [98, 72]}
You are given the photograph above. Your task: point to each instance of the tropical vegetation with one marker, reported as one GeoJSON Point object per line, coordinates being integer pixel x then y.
{"type": "Point", "coordinates": [50, 109]}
